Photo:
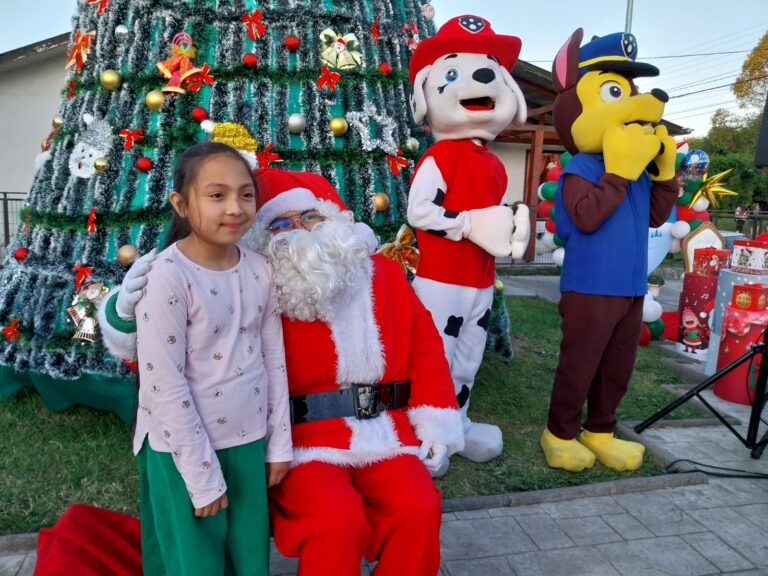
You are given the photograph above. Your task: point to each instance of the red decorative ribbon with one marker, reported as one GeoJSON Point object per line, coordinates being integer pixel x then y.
{"type": "Point", "coordinates": [79, 53]}
{"type": "Point", "coordinates": [102, 5]}
{"type": "Point", "coordinates": [194, 82]}
{"type": "Point", "coordinates": [328, 78]}
{"type": "Point", "coordinates": [256, 27]}
{"type": "Point", "coordinates": [396, 162]}
{"type": "Point", "coordinates": [83, 273]}
{"type": "Point", "coordinates": [12, 331]}
{"type": "Point", "coordinates": [71, 86]}
{"type": "Point", "coordinates": [375, 32]}
{"type": "Point", "coordinates": [267, 155]}
{"type": "Point", "coordinates": [131, 136]}
{"type": "Point", "coordinates": [92, 220]}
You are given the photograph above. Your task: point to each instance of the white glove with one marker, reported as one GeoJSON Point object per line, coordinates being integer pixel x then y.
{"type": "Point", "coordinates": [491, 229]}
{"type": "Point", "coordinates": [133, 283]}
{"type": "Point", "coordinates": [433, 455]}
{"type": "Point", "coordinates": [522, 233]}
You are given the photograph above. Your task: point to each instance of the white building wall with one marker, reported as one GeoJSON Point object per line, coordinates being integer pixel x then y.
{"type": "Point", "coordinates": [29, 98]}
{"type": "Point", "coordinates": [513, 157]}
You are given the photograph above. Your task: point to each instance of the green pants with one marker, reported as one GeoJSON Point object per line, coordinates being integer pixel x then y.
{"type": "Point", "coordinates": [176, 543]}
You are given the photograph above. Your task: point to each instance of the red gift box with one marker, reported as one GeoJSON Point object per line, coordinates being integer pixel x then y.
{"type": "Point", "coordinates": [709, 261]}
{"type": "Point", "coordinates": [697, 300]}
{"type": "Point", "coordinates": [750, 296]}
{"type": "Point", "coordinates": [749, 257]}
{"type": "Point", "coordinates": [740, 329]}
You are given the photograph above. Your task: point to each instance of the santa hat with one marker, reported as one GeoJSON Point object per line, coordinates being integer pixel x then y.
{"type": "Point", "coordinates": [470, 34]}
{"type": "Point", "coordinates": [288, 191]}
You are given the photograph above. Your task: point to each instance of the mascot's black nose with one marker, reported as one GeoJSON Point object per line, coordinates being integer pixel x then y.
{"type": "Point", "coordinates": [660, 95]}
{"type": "Point", "coordinates": [484, 75]}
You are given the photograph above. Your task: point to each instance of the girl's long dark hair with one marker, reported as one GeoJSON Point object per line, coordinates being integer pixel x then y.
{"type": "Point", "coordinates": [187, 166]}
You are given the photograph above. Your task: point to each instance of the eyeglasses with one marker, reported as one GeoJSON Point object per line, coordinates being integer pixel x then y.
{"type": "Point", "coordinates": [306, 219]}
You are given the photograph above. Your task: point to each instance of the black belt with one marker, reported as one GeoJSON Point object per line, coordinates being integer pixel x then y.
{"type": "Point", "coordinates": [363, 401]}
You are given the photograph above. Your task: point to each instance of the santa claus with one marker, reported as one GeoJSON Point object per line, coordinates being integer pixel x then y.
{"type": "Point", "coordinates": [372, 402]}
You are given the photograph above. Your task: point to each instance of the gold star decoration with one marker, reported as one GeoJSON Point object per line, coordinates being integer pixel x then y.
{"type": "Point", "coordinates": [711, 189]}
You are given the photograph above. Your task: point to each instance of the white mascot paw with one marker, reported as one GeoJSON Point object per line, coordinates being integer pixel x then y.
{"type": "Point", "coordinates": [522, 233]}
{"type": "Point", "coordinates": [482, 442]}
{"type": "Point", "coordinates": [491, 229]}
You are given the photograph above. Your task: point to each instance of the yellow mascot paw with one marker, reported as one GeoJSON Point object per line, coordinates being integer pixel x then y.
{"type": "Point", "coordinates": [617, 454]}
{"type": "Point", "coordinates": [566, 454]}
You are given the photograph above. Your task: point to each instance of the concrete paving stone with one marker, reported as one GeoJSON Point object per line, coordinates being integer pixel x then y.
{"type": "Point", "coordinates": [483, 538]}
{"type": "Point", "coordinates": [627, 526]}
{"type": "Point", "coordinates": [658, 514]}
{"type": "Point", "coordinates": [725, 558]}
{"type": "Point", "coordinates": [586, 531]}
{"type": "Point", "coordinates": [279, 564]}
{"type": "Point", "coordinates": [585, 561]}
{"type": "Point", "coordinates": [471, 514]}
{"type": "Point", "coordinates": [496, 566]}
{"type": "Point", "coordinates": [596, 506]}
{"type": "Point", "coordinates": [716, 494]}
{"type": "Point", "coordinates": [657, 557]}
{"type": "Point", "coordinates": [756, 513]}
{"type": "Point", "coordinates": [28, 566]}
{"type": "Point", "coordinates": [544, 531]}
{"type": "Point", "coordinates": [741, 534]}
{"type": "Point", "coordinates": [449, 517]}
{"type": "Point", "coordinates": [10, 564]}
{"type": "Point", "coordinates": [524, 510]}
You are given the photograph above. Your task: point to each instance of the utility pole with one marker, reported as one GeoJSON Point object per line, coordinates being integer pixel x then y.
{"type": "Point", "coordinates": [628, 23]}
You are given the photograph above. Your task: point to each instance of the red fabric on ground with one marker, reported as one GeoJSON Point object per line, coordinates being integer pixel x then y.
{"type": "Point", "coordinates": [88, 541]}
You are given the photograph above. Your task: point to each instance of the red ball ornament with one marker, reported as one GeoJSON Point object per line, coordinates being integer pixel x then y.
{"type": "Point", "coordinates": [199, 114]}
{"type": "Point", "coordinates": [645, 335]}
{"type": "Point", "coordinates": [292, 43]}
{"type": "Point", "coordinates": [426, 129]}
{"type": "Point", "coordinates": [550, 225]}
{"type": "Point", "coordinates": [144, 164]}
{"type": "Point", "coordinates": [385, 68]}
{"type": "Point", "coordinates": [250, 60]}
{"type": "Point", "coordinates": [553, 174]}
{"type": "Point", "coordinates": [544, 207]}
{"type": "Point", "coordinates": [21, 253]}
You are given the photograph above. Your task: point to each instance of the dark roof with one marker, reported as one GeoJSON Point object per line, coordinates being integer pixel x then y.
{"type": "Point", "coordinates": [33, 52]}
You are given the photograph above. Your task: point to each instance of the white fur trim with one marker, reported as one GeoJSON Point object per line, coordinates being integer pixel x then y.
{"type": "Point", "coordinates": [295, 199]}
{"type": "Point", "coordinates": [374, 435]}
{"type": "Point", "coordinates": [356, 334]}
{"type": "Point", "coordinates": [438, 425]}
{"type": "Point", "coordinates": [347, 457]}
{"type": "Point", "coordinates": [120, 344]}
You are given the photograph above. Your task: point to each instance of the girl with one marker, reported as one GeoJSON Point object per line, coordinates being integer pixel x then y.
{"type": "Point", "coordinates": [212, 380]}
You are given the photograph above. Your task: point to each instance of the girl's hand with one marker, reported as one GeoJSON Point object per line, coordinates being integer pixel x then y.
{"type": "Point", "coordinates": [213, 508]}
{"type": "Point", "coordinates": [276, 471]}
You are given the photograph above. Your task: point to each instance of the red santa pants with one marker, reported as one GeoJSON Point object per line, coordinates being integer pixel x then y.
{"type": "Point", "coordinates": [330, 516]}
{"type": "Point", "coordinates": [597, 355]}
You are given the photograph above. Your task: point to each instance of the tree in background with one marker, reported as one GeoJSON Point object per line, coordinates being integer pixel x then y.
{"type": "Point", "coordinates": [317, 86]}
{"type": "Point", "coordinates": [751, 86]}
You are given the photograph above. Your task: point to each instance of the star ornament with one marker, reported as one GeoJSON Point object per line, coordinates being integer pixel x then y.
{"type": "Point", "coordinates": [383, 139]}
{"type": "Point", "coordinates": [711, 189]}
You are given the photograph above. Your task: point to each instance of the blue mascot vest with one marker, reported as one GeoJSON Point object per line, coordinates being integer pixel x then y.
{"type": "Point", "coordinates": [612, 260]}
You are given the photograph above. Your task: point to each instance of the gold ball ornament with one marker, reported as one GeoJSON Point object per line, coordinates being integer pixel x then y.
{"type": "Point", "coordinates": [154, 100]}
{"type": "Point", "coordinates": [412, 144]}
{"type": "Point", "coordinates": [111, 79]}
{"type": "Point", "coordinates": [499, 286]}
{"type": "Point", "coordinates": [57, 121]}
{"type": "Point", "coordinates": [381, 202]}
{"type": "Point", "coordinates": [100, 164]}
{"type": "Point", "coordinates": [127, 254]}
{"type": "Point", "coordinates": [339, 126]}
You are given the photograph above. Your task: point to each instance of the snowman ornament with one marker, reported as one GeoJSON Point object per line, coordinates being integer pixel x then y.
{"type": "Point", "coordinates": [94, 143]}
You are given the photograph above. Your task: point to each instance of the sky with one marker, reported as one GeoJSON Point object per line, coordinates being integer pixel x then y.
{"type": "Point", "coordinates": [685, 39]}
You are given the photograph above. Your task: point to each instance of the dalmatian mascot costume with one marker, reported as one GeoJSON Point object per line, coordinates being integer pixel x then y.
{"type": "Point", "coordinates": [462, 85]}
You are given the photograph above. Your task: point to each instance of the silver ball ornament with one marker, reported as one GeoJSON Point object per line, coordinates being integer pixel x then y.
{"type": "Point", "coordinates": [296, 123]}
{"type": "Point", "coordinates": [121, 32]}
{"type": "Point", "coordinates": [412, 144]}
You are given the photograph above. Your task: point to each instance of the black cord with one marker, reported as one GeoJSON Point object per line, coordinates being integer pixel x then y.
{"type": "Point", "coordinates": [723, 472]}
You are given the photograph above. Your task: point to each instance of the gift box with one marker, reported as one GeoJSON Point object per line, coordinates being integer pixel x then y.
{"type": "Point", "coordinates": [750, 296]}
{"type": "Point", "coordinates": [697, 300]}
{"type": "Point", "coordinates": [709, 261]}
{"type": "Point", "coordinates": [741, 328]}
{"type": "Point", "coordinates": [750, 257]}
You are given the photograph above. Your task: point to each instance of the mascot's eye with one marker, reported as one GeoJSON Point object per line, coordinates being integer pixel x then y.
{"type": "Point", "coordinates": [451, 75]}
{"type": "Point", "coordinates": [611, 91]}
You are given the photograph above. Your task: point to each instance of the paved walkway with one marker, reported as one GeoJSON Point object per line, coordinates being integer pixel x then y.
{"type": "Point", "coordinates": [684, 524]}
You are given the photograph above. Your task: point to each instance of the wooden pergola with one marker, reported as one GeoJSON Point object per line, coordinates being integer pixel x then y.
{"type": "Point", "coordinates": [539, 131]}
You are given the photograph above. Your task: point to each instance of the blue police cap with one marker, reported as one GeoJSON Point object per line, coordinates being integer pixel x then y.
{"type": "Point", "coordinates": [614, 52]}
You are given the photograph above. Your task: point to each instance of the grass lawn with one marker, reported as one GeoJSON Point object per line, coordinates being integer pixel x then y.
{"type": "Point", "coordinates": [81, 455]}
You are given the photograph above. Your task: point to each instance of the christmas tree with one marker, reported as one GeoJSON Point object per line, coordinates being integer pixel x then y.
{"type": "Point", "coordinates": [320, 86]}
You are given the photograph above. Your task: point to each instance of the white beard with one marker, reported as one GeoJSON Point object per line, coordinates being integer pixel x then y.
{"type": "Point", "coordinates": [317, 271]}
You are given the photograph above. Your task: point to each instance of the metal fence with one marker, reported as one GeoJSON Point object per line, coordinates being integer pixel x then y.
{"type": "Point", "coordinates": [541, 255]}
{"type": "Point", "coordinates": [10, 205]}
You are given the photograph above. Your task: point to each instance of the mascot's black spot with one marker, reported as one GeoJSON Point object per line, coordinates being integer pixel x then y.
{"type": "Point", "coordinates": [463, 396]}
{"type": "Point", "coordinates": [451, 214]}
{"type": "Point", "coordinates": [439, 197]}
{"type": "Point", "coordinates": [441, 233]}
{"type": "Point", "coordinates": [485, 320]}
{"type": "Point", "coordinates": [453, 326]}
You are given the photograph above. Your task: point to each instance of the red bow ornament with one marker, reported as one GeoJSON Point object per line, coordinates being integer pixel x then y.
{"type": "Point", "coordinates": [102, 5]}
{"type": "Point", "coordinates": [267, 155]}
{"type": "Point", "coordinates": [328, 78]}
{"type": "Point", "coordinates": [131, 136]}
{"type": "Point", "coordinates": [256, 27]}
{"type": "Point", "coordinates": [375, 31]}
{"type": "Point", "coordinates": [396, 162]}
{"type": "Point", "coordinates": [92, 220]}
{"type": "Point", "coordinates": [79, 52]}
{"type": "Point", "coordinates": [194, 82]}
{"type": "Point", "coordinates": [12, 331]}
{"type": "Point", "coordinates": [83, 273]}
